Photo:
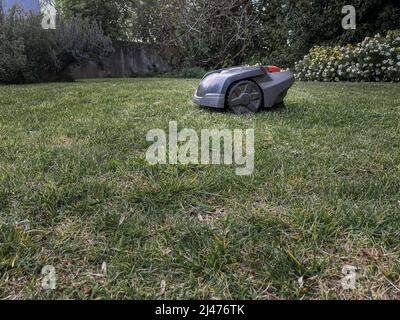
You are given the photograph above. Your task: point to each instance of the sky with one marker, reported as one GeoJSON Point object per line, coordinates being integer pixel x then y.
{"type": "Point", "coordinates": [28, 5]}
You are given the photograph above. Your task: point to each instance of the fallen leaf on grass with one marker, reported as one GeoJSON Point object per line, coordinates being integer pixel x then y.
{"type": "Point", "coordinates": [367, 254]}
{"type": "Point", "coordinates": [163, 287]}
{"type": "Point", "coordinates": [103, 269]}
{"type": "Point", "coordinates": [301, 282]}
{"type": "Point", "coordinates": [87, 291]}
{"type": "Point", "coordinates": [209, 217]}
{"type": "Point", "coordinates": [166, 251]}
{"type": "Point", "coordinates": [121, 220]}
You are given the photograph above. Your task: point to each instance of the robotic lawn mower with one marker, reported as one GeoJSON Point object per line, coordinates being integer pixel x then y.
{"type": "Point", "coordinates": [244, 90]}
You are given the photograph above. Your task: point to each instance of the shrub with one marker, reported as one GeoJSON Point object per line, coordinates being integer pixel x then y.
{"type": "Point", "coordinates": [21, 47]}
{"type": "Point", "coordinates": [12, 60]}
{"type": "Point", "coordinates": [374, 59]}
{"type": "Point", "coordinates": [30, 53]}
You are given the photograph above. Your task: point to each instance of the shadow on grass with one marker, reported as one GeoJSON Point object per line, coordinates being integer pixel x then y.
{"type": "Point", "coordinates": [281, 108]}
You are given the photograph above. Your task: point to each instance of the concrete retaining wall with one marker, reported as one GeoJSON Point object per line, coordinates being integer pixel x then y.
{"type": "Point", "coordinates": [130, 59]}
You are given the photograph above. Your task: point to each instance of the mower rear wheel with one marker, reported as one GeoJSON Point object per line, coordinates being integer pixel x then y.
{"type": "Point", "coordinates": [245, 97]}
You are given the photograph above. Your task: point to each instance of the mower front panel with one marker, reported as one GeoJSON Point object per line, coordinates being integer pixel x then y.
{"type": "Point", "coordinates": [212, 100]}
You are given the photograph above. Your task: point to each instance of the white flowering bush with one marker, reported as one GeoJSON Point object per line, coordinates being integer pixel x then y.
{"type": "Point", "coordinates": [374, 59]}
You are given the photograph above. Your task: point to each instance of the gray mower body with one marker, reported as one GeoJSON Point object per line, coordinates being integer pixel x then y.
{"type": "Point", "coordinates": [214, 88]}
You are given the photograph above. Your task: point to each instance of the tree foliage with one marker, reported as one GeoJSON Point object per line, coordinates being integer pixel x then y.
{"type": "Point", "coordinates": [215, 33]}
{"type": "Point", "coordinates": [112, 15]}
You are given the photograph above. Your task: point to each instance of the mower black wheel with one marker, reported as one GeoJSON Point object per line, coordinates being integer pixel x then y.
{"type": "Point", "coordinates": [245, 97]}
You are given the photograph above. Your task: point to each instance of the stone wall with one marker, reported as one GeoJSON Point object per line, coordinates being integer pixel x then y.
{"type": "Point", "coordinates": [130, 59]}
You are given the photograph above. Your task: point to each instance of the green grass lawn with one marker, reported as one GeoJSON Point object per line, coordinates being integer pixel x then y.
{"type": "Point", "coordinates": [76, 191]}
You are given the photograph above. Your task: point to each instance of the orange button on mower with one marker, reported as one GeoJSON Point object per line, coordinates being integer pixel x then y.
{"type": "Point", "coordinates": [272, 69]}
